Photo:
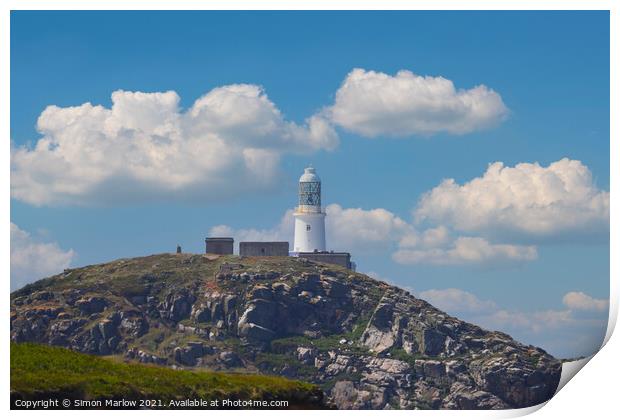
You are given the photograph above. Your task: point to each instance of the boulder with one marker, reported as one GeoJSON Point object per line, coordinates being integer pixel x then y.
{"type": "Point", "coordinates": [230, 359]}
{"type": "Point", "coordinates": [310, 282]}
{"type": "Point", "coordinates": [346, 395]}
{"type": "Point", "coordinates": [463, 397]}
{"type": "Point", "coordinates": [258, 321]}
{"type": "Point", "coordinates": [61, 331]}
{"type": "Point", "coordinates": [430, 368]}
{"type": "Point", "coordinates": [335, 289]}
{"type": "Point", "coordinates": [515, 381]}
{"type": "Point", "coordinates": [181, 307]}
{"type": "Point", "coordinates": [432, 343]}
{"type": "Point", "coordinates": [144, 357]}
{"type": "Point", "coordinates": [261, 292]}
{"type": "Point", "coordinates": [387, 373]}
{"type": "Point", "coordinates": [42, 295]}
{"type": "Point", "coordinates": [107, 329]}
{"type": "Point", "coordinates": [91, 305]}
{"type": "Point", "coordinates": [134, 326]}
{"type": "Point", "coordinates": [305, 355]}
{"type": "Point", "coordinates": [188, 354]}
{"type": "Point", "coordinates": [339, 365]}
{"type": "Point", "coordinates": [201, 313]}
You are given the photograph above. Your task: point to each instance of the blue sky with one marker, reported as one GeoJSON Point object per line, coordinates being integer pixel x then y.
{"type": "Point", "coordinates": [550, 69]}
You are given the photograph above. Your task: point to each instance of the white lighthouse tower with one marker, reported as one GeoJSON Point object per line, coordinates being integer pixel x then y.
{"type": "Point", "coordinates": [309, 216]}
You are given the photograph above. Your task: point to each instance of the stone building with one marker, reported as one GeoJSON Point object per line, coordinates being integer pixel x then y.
{"type": "Point", "coordinates": [263, 249]}
{"type": "Point", "coordinates": [338, 258]}
{"type": "Point", "coordinates": [219, 246]}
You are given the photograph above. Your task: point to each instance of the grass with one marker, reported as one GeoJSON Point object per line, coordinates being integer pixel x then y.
{"type": "Point", "coordinates": [325, 343]}
{"type": "Point", "coordinates": [39, 371]}
{"type": "Point", "coordinates": [126, 276]}
{"type": "Point", "coordinates": [277, 361]}
{"type": "Point", "coordinates": [153, 339]}
{"type": "Point", "coordinates": [401, 354]}
{"type": "Point", "coordinates": [344, 376]}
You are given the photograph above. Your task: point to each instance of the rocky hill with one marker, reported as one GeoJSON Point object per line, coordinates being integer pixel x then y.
{"type": "Point", "coordinates": [366, 343]}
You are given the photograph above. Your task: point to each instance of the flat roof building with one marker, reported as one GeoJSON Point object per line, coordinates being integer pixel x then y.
{"type": "Point", "coordinates": [342, 259]}
{"type": "Point", "coordinates": [219, 246]}
{"type": "Point", "coordinates": [263, 249]}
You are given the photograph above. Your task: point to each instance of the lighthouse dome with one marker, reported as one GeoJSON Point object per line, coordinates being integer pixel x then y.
{"type": "Point", "coordinates": [309, 175]}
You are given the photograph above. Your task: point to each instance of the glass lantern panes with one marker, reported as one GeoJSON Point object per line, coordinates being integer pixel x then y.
{"type": "Point", "coordinates": [310, 194]}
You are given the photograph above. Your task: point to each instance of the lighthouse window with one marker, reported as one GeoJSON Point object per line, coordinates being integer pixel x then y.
{"type": "Point", "coordinates": [308, 227]}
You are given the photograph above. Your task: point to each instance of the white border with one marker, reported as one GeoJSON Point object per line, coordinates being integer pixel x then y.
{"type": "Point", "coordinates": [594, 395]}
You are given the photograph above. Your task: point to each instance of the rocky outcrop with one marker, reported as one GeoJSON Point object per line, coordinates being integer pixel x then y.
{"type": "Point", "coordinates": [305, 355]}
{"type": "Point", "coordinates": [230, 359]}
{"type": "Point", "coordinates": [189, 354]}
{"type": "Point", "coordinates": [369, 344]}
{"type": "Point", "coordinates": [144, 357]}
{"type": "Point", "coordinates": [133, 324]}
{"type": "Point", "coordinates": [380, 334]}
{"type": "Point", "coordinates": [177, 306]}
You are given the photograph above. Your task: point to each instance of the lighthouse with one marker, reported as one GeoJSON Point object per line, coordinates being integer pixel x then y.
{"type": "Point", "coordinates": [309, 216]}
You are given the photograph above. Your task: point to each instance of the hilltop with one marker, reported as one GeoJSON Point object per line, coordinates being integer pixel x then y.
{"type": "Point", "coordinates": [366, 343]}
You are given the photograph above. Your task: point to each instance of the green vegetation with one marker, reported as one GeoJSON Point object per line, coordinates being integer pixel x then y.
{"type": "Point", "coordinates": [153, 339]}
{"type": "Point", "coordinates": [533, 359]}
{"type": "Point", "coordinates": [127, 276]}
{"type": "Point", "coordinates": [41, 371]}
{"type": "Point", "coordinates": [401, 354]}
{"type": "Point", "coordinates": [325, 343]}
{"type": "Point", "coordinates": [275, 362]}
{"type": "Point", "coordinates": [344, 376]}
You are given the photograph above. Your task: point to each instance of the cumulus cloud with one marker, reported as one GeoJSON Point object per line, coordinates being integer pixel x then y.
{"type": "Point", "coordinates": [377, 276]}
{"type": "Point", "coordinates": [144, 147]}
{"type": "Point", "coordinates": [527, 200]}
{"type": "Point", "coordinates": [364, 232]}
{"type": "Point", "coordinates": [283, 231]}
{"type": "Point", "coordinates": [457, 300]}
{"type": "Point", "coordinates": [566, 332]}
{"type": "Point", "coordinates": [372, 103]}
{"type": "Point", "coordinates": [467, 250]}
{"type": "Point", "coordinates": [32, 260]}
{"type": "Point", "coordinates": [368, 231]}
{"type": "Point", "coordinates": [579, 301]}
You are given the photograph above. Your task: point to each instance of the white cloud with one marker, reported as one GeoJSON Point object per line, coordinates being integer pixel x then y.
{"type": "Point", "coordinates": [467, 250]}
{"type": "Point", "coordinates": [144, 147]}
{"type": "Point", "coordinates": [527, 200]}
{"type": "Point", "coordinates": [533, 322]}
{"type": "Point", "coordinates": [579, 301]}
{"type": "Point", "coordinates": [283, 231]}
{"type": "Point", "coordinates": [374, 103]}
{"type": "Point", "coordinates": [363, 230]}
{"type": "Point", "coordinates": [435, 237]}
{"type": "Point", "coordinates": [32, 260]}
{"type": "Point", "coordinates": [563, 332]}
{"type": "Point", "coordinates": [377, 276]}
{"type": "Point", "coordinates": [457, 300]}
